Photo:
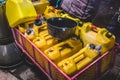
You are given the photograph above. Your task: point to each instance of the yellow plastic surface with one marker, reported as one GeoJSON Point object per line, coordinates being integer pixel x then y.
{"type": "Point", "coordinates": [22, 27]}
{"type": "Point", "coordinates": [78, 61]}
{"type": "Point", "coordinates": [19, 11]}
{"type": "Point", "coordinates": [30, 36]}
{"type": "Point", "coordinates": [27, 25]}
{"type": "Point", "coordinates": [36, 30]}
{"type": "Point", "coordinates": [45, 40]}
{"type": "Point", "coordinates": [69, 17]}
{"type": "Point", "coordinates": [63, 49]}
{"type": "Point", "coordinates": [40, 6]}
{"type": "Point", "coordinates": [52, 12]}
{"type": "Point", "coordinates": [96, 36]}
{"type": "Point", "coordinates": [39, 29]}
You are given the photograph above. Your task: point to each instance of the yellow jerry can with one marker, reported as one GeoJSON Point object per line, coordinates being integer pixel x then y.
{"type": "Point", "coordinates": [30, 34]}
{"type": "Point", "coordinates": [40, 5]}
{"type": "Point", "coordinates": [19, 11]}
{"type": "Point", "coordinates": [79, 60]}
{"type": "Point", "coordinates": [28, 30]}
{"type": "Point", "coordinates": [24, 26]}
{"type": "Point", "coordinates": [21, 28]}
{"type": "Point", "coordinates": [31, 30]}
{"type": "Point", "coordinates": [63, 49]}
{"type": "Point", "coordinates": [52, 12]}
{"type": "Point", "coordinates": [45, 40]}
{"type": "Point", "coordinates": [39, 29]}
{"type": "Point", "coordinates": [68, 16]}
{"type": "Point", "coordinates": [89, 33]}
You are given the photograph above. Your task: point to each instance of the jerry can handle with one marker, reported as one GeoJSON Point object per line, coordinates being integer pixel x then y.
{"type": "Point", "coordinates": [87, 26]}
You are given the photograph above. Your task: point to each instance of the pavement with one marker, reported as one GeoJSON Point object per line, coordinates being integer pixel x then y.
{"type": "Point", "coordinates": [28, 71]}
{"type": "Point", "coordinates": [25, 71]}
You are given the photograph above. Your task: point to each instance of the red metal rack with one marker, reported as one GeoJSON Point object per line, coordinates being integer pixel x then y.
{"type": "Point", "coordinates": [52, 71]}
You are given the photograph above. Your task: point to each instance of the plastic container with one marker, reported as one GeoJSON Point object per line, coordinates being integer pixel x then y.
{"type": "Point", "coordinates": [31, 30]}
{"type": "Point", "coordinates": [58, 27]}
{"type": "Point", "coordinates": [40, 6]}
{"type": "Point", "coordinates": [51, 12]}
{"type": "Point", "coordinates": [79, 60]}
{"type": "Point", "coordinates": [98, 36]}
{"type": "Point", "coordinates": [63, 49]}
{"type": "Point", "coordinates": [19, 11]}
{"type": "Point", "coordinates": [45, 40]}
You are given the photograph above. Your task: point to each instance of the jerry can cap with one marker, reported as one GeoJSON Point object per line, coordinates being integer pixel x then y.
{"type": "Point", "coordinates": [38, 22]}
{"type": "Point", "coordinates": [92, 46]}
{"type": "Point", "coordinates": [108, 35]}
